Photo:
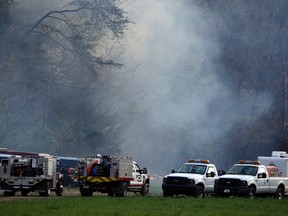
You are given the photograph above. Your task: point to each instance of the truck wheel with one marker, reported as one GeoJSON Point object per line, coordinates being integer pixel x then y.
{"type": "Point", "coordinates": [279, 193]}
{"type": "Point", "coordinates": [251, 193]}
{"type": "Point", "coordinates": [145, 189]}
{"type": "Point", "coordinates": [199, 192]}
{"type": "Point", "coordinates": [47, 190]}
{"type": "Point", "coordinates": [59, 191]}
{"type": "Point", "coordinates": [124, 188]}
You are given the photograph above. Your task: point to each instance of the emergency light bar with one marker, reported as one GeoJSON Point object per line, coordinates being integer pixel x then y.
{"type": "Point", "coordinates": [249, 162]}
{"type": "Point", "coordinates": [198, 161]}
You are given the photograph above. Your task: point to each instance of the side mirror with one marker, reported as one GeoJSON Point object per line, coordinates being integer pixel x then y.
{"type": "Point", "coordinates": [262, 175]}
{"type": "Point", "coordinates": [173, 171]}
{"type": "Point", "coordinates": [144, 171]}
{"type": "Point", "coordinates": [212, 174]}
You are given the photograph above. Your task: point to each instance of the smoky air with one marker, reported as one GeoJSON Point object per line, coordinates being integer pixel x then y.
{"type": "Point", "coordinates": [176, 80]}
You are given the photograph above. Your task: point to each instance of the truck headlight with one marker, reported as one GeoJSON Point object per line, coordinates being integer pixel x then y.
{"type": "Point", "coordinates": [164, 180]}
{"type": "Point", "coordinates": [243, 183]}
{"type": "Point", "coordinates": [191, 181]}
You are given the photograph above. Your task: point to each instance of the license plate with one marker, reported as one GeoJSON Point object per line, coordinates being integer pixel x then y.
{"type": "Point", "coordinates": [85, 186]}
{"type": "Point", "coordinates": [226, 190]}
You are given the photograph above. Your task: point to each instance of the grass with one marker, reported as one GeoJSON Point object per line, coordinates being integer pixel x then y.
{"type": "Point", "coordinates": [155, 204]}
{"type": "Point", "coordinates": [138, 205]}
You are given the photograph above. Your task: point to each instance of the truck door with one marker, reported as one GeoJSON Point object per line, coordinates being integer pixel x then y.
{"type": "Point", "coordinates": [262, 183]}
{"type": "Point", "coordinates": [210, 179]}
{"type": "Point", "coordinates": [137, 177]}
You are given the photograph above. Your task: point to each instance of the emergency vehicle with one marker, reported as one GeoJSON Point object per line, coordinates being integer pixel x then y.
{"type": "Point", "coordinates": [195, 178]}
{"type": "Point", "coordinates": [112, 175]}
{"type": "Point", "coordinates": [30, 173]}
{"type": "Point", "coordinates": [250, 178]}
{"type": "Point", "coordinates": [277, 158]}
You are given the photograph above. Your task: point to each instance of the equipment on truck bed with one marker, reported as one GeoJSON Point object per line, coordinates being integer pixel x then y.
{"type": "Point", "coordinates": [112, 175]}
{"type": "Point", "coordinates": [30, 173]}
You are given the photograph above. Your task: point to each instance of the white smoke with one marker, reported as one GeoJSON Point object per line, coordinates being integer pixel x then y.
{"type": "Point", "coordinates": [171, 55]}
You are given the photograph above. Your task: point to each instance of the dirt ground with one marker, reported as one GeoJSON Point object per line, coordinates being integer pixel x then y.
{"type": "Point", "coordinates": [67, 192]}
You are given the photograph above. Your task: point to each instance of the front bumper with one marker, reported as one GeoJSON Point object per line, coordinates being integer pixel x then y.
{"type": "Point", "coordinates": [187, 189]}
{"type": "Point", "coordinates": [222, 190]}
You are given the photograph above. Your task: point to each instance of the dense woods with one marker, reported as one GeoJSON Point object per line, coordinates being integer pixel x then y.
{"type": "Point", "coordinates": [205, 79]}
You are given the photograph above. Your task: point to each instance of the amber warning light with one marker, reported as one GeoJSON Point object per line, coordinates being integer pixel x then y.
{"type": "Point", "coordinates": [198, 161]}
{"type": "Point", "coordinates": [255, 162]}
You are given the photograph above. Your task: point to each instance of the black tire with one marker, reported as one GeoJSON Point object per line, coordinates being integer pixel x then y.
{"type": "Point", "coordinates": [279, 193]}
{"type": "Point", "coordinates": [251, 193]}
{"type": "Point", "coordinates": [59, 191]}
{"type": "Point", "coordinates": [124, 190]}
{"type": "Point", "coordinates": [145, 189]}
{"type": "Point", "coordinates": [199, 193]}
{"type": "Point", "coordinates": [47, 191]}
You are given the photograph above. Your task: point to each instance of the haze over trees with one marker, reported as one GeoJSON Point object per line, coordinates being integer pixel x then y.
{"type": "Point", "coordinates": [161, 81]}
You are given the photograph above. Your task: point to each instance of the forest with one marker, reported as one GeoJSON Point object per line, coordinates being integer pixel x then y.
{"type": "Point", "coordinates": [161, 81]}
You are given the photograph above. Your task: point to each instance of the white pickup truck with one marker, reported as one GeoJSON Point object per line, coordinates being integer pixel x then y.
{"type": "Point", "coordinates": [195, 178]}
{"type": "Point", "coordinates": [248, 178]}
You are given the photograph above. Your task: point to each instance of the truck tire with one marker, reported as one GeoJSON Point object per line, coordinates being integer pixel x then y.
{"type": "Point", "coordinates": [145, 189]}
{"type": "Point", "coordinates": [47, 190]}
{"type": "Point", "coordinates": [279, 193]}
{"type": "Point", "coordinates": [199, 193]}
{"type": "Point", "coordinates": [251, 193]}
{"type": "Point", "coordinates": [124, 188]}
{"type": "Point", "coordinates": [59, 191]}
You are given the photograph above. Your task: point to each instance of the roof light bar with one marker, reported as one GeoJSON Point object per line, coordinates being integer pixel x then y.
{"type": "Point", "coordinates": [198, 161]}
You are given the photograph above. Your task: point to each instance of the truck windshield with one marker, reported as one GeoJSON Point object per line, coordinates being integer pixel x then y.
{"type": "Point", "coordinates": [243, 170]}
{"type": "Point", "coordinates": [192, 168]}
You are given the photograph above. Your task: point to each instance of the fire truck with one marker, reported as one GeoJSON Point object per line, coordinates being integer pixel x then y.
{"type": "Point", "coordinates": [30, 173]}
{"type": "Point", "coordinates": [112, 175]}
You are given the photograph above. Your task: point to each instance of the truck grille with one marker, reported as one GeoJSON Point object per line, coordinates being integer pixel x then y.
{"type": "Point", "coordinates": [177, 180]}
{"type": "Point", "coordinates": [229, 182]}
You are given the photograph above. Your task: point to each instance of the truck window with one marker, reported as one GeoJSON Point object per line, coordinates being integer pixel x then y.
{"type": "Point", "coordinates": [192, 168]}
{"type": "Point", "coordinates": [136, 168]}
{"type": "Point", "coordinates": [274, 173]}
{"type": "Point", "coordinates": [244, 170]}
